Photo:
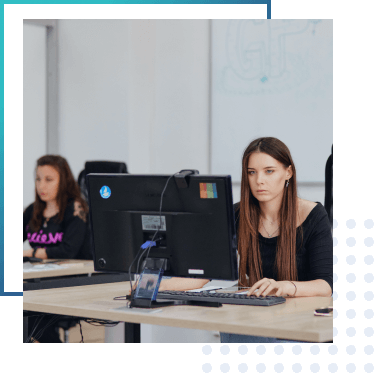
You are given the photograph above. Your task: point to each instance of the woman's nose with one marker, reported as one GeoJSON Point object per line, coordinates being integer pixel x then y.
{"type": "Point", "coordinates": [260, 178]}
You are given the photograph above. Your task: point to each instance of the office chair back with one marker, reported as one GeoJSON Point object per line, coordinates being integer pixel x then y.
{"type": "Point", "coordinates": [329, 187]}
{"type": "Point", "coordinates": [99, 167]}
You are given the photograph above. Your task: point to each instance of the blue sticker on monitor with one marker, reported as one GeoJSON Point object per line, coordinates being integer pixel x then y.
{"type": "Point", "coordinates": [105, 192]}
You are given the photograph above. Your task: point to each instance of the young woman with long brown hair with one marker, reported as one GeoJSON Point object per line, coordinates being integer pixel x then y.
{"type": "Point", "coordinates": [284, 242]}
{"type": "Point", "coordinates": [55, 225]}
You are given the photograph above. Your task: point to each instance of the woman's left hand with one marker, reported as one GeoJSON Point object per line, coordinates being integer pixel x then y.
{"type": "Point", "coordinates": [28, 253]}
{"type": "Point", "coordinates": [270, 287]}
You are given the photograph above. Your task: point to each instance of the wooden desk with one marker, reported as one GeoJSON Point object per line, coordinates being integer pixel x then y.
{"type": "Point", "coordinates": [72, 273]}
{"type": "Point", "coordinates": [292, 320]}
{"type": "Point", "coordinates": [67, 268]}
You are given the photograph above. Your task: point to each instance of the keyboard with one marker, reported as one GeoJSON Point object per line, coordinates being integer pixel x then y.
{"type": "Point", "coordinates": [220, 297]}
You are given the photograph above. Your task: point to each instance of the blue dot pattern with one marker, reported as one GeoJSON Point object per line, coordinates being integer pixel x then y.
{"type": "Point", "coordinates": [351, 314]}
{"type": "Point", "coordinates": [354, 362]}
{"type": "Point", "coordinates": [368, 368]}
{"type": "Point", "coordinates": [225, 367]}
{"type": "Point", "coordinates": [279, 367]}
{"type": "Point", "coordinates": [260, 368]}
{"type": "Point", "coordinates": [297, 368]}
{"type": "Point", "coordinates": [314, 368]}
{"type": "Point", "coordinates": [333, 367]}
{"type": "Point", "coordinates": [243, 367]}
{"type": "Point", "coordinates": [351, 332]}
{"type": "Point", "coordinates": [206, 368]}
{"type": "Point", "coordinates": [368, 295]}
{"type": "Point", "coordinates": [369, 242]}
{"type": "Point", "coordinates": [278, 349]}
{"type": "Point", "coordinates": [351, 368]}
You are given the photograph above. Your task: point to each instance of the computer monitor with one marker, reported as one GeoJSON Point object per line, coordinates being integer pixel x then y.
{"type": "Point", "coordinates": [197, 234]}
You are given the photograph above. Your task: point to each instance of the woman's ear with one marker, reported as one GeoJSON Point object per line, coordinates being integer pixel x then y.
{"type": "Point", "coordinates": [289, 172]}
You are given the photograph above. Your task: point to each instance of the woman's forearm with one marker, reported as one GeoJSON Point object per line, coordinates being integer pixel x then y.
{"type": "Point", "coordinates": [182, 284]}
{"type": "Point", "coordinates": [41, 253]}
{"type": "Point", "coordinates": [318, 287]}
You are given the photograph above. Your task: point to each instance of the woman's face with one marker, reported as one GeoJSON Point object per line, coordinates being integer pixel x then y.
{"type": "Point", "coordinates": [266, 176]}
{"type": "Point", "coordinates": [47, 183]}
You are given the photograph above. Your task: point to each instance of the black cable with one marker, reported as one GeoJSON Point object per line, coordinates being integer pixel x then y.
{"type": "Point", "coordinates": [35, 325]}
{"type": "Point", "coordinates": [55, 318]}
{"type": "Point", "coordinates": [52, 321]}
{"type": "Point", "coordinates": [160, 227]}
{"type": "Point", "coordinates": [96, 322]}
{"type": "Point", "coordinates": [153, 238]}
{"type": "Point", "coordinates": [81, 333]}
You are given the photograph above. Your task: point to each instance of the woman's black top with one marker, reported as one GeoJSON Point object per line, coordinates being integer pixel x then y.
{"type": "Point", "coordinates": [314, 252]}
{"type": "Point", "coordinates": [66, 239]}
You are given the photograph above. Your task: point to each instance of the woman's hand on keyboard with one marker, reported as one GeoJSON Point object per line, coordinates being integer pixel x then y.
{"type": "Point", "coordinates": [271, 287]}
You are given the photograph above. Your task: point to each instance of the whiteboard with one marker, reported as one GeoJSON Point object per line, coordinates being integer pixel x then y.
{"type": "Point", "coordinates": [272, 78]}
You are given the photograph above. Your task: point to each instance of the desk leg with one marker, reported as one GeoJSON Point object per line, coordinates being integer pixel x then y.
{"type": "Point", "coordinates": [132, 333]}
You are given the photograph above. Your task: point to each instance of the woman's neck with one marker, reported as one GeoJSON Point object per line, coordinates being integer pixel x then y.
{"type": "Point", "coordinates": [271, 209]}
{"type": "Point", "coordinates": [51, 207]}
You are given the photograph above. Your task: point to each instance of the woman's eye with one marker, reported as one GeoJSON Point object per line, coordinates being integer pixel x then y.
{"type": "Point", "coordinates": [251, 172]}
{"type": "Point", "coordinates": [269, 171]}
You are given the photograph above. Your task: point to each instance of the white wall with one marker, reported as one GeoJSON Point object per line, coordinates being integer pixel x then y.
{"type": "Point", "coordinates": [34, 104]}
{"type": "Point", "coordinates": [93, 86]}
{"type": "Point", "coordinates": [138, 91]}
{"type": "Point", "coordinates": [135, 91]}
{"type": "Point", "coordinates": [34, 107]}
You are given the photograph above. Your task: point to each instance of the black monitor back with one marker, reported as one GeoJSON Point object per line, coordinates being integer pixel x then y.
{"type": "Point", "coordinates": [198, 240]}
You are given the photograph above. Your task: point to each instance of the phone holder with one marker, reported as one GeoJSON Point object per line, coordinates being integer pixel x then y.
{"type": "Point", "coordinates": [148, 284]}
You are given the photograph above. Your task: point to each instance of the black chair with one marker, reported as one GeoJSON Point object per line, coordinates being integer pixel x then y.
{"type": "Point", "coordinates": [99, 167]}
{"type": "Point", "coordinates": [329, 187]}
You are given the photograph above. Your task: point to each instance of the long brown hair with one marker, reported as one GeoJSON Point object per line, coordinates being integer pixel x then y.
{"type": "Point", "coordinates": [68, 190]}
{"type": "Point", "coordinates": [248, 243]}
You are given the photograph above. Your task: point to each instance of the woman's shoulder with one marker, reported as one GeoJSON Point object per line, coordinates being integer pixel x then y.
{"type": "Point", "coordinates": [29, 209]}
{"type": "Point", "coordinates": [309, 209]}
{"type": "Point", "coordinates": [75, 209]}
